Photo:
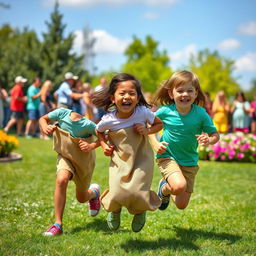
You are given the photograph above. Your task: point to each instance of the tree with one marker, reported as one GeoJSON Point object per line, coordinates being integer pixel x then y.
{"type": "Point", "coordinates": [19, 55]}
{"type": "Point", "coordinates": [56, 51]}
{"type": "Point", "coordinates": [214, 72]}
{"type": "Point", "coordinates": [147, 63]}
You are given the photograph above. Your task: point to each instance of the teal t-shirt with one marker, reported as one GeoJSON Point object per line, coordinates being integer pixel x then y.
{"type": "Point", "coordinates": [82, 128]}
{"type": "Point", "coordinates": [33, 104]}
{"type": "Point", "coordinates": [180, 130]}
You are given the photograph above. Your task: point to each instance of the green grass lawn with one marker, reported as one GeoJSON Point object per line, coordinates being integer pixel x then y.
{"type": "Point", "coordinates": [220, 219]}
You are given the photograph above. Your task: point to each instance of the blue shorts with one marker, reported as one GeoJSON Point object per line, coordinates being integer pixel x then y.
{"type": "Point", "coordinates": [33, 114]}
{"type": "Point", "coordinates": [17, 115]}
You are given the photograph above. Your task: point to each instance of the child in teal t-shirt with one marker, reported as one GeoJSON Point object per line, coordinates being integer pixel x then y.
{"type": "Point", "coordinates": [76, 160]}
{"type": "Point", "coordinates": [185, 125]}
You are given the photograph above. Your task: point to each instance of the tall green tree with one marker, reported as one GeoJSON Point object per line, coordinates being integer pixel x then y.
{"type": "Point", "coordinates": [214, 72]}
{"type": "Point", "coordinates": [56, 54]}
{"type": "Point", "coordinates": [19, 55]}
{"type": "Point", "coordinates": [147, 63]}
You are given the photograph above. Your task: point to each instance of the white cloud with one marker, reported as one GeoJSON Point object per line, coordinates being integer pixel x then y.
{"type": "Point", "coordinates": [105, 43]}
{"type": "Point", "coordinates": [108, 43]}
{"type": "Point", "coordinates": [248, 28]}
{"type": "Point", "coordinates": [92, 3]}
{"type": "Point", "coordinates": [246, 62]}
{"type": "Point", "coordinates": [182, 56]}
{"type": "Point", "coordinates": [150, 16]}
{"type": "Point", "coordinates": [228, 44]}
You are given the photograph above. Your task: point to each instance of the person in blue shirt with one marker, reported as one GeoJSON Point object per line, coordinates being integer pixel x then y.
{"type": "Point", "coordinates": [33, 103]}
{"type": "Point", "coordinates": [186, 124]}
{"type": "Point", "coordinates": [73, 142]}
{"type": "Point", "coordinates": [64, 94]}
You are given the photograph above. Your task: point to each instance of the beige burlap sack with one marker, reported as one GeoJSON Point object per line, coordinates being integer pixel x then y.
{"type": "Point", "coordinates": [82, 163]}
{"type": "Point", "coordinates": [130, 174]}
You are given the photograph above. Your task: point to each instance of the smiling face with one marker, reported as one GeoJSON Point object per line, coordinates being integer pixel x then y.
{"type": "Point", "coordinates": [184, 96]}
{"type": "Point", "coordinates": [125, 98]}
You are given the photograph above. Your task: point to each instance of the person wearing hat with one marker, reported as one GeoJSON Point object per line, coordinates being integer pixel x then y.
{"type": "Point", "coordinates": [17, 106]}
{"type": "Point", "coordinates": [64, 94]}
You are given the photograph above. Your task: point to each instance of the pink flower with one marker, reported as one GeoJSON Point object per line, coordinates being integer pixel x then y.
{"type": "Point", "coordinates": [240, 155]}
{"type": "Point", "coordinates": [223, 157]}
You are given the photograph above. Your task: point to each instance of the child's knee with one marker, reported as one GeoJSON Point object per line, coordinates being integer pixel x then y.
{"type": "Point", "coordinates": [179, 188]}
{"type": "Point", "coordinates": [62, 181]}
{"type": "Point", "coordinates": [82, 197]}
{"type": "Point", "coordinates": [182, 205]}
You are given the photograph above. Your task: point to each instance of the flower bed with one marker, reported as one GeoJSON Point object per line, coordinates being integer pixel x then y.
{"type": "Point", "coordinates": [231, 147]}
{"type": "Point", "coordinates": [7, 144]}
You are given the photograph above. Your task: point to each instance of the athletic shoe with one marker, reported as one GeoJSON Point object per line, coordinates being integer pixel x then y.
{"type": "Point", "coordinates": [165, 199]}
{"type": "Point", "coordinates": [94, 204]}
{"type": "Point", "coordinates": [138, 222]}
{"type": "Point", "coordinates": [53, 230]}
{"type": "Point", "coordinates": [113, 220]}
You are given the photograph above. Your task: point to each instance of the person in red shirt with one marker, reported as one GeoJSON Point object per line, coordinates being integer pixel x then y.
{"type": "Point", "coordinates": [17, 105]}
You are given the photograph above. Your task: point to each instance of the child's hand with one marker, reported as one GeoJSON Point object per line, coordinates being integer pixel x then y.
{"type": "Point", "coordinates": [108, 149]}
{"type": "Point", "coordinates": [203, 139]}
{"type": "Point", "coordinates": [85, 146]}
{"type": "Point", "coordinates": [49, 129]}
{"type": "Point", "coordinates": [160, 147]}
{"type": "Point", "coordinates": [140, 129]}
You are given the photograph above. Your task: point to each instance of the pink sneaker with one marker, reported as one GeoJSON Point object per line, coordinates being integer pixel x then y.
{"type": "Point", "coordinates": [53, 230]}
{"type": "Point", "coordinates": [94, 204]}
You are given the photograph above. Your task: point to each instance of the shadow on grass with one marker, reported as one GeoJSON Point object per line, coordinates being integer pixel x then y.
{"type": "Point", "coordinates": [97, 225]}
{"type": "Point", "coordinates": [184, 240]}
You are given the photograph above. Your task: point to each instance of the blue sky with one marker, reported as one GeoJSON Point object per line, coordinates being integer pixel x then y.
{"type": "Point", "coordinates": [181, 27]}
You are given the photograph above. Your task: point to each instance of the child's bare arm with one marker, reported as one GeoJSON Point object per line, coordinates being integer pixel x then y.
{"type": "Point", "coordinates": [154, 128]}
{"type": "Point", "coordinates": [107, 149]}
{"type": "Point", "coordinates": [206, 139]}
{"type": "Point", "coordinates": [159, 147]}
{"type": "Point", "coordinates": [86, 147]}
{"type": "Point", "coordinates": [45, 126]}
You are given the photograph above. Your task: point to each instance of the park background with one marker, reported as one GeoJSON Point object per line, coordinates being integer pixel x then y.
{"type": "Point", "coordinates": [151, 39]}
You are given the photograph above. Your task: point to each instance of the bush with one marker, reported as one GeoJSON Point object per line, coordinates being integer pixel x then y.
{"type": "Point", "coordinates": [7, 144]}
{"type": "Point", "coordinates": [238, 146]}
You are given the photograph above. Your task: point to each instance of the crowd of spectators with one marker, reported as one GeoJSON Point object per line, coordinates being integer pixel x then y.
{"type": "Point", "coordinates": [18, 107]}
{"type": "Point", "coordinates": [22, 109]}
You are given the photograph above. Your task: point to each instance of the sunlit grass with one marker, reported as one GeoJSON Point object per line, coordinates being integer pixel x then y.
{"type": "Point", "coordinates": [220, 219]}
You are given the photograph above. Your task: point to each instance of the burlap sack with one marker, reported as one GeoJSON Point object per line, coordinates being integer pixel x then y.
{"type": "Point", "coordinates": [130, 174]}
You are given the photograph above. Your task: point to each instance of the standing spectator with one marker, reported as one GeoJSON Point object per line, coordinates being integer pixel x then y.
{"type": "Point", "coordinates": [33, 104]}
{"type": "Point", "coordinates": [86, 102]}
{"type": "Point", "coordinates": [47, 103]}
{"type": "Point", "coordinates": [17, 105]}
{"type": "Point", "coordinates": [3, 98]}
{"type": "Point", "coordinates": [101, 86]}
{"type": "Point", "coordinates": [64, 94]}
{"type": "Point", "coordinates": [220, 110]}
{"type": "Point", "coordinates": [208, 103]}
{"type": "Point", "coordinates": [76, 105]}
{"type": "Point", "coordinates": [240, 110]}
{"type": "Point", "coordinates": [253, 115]}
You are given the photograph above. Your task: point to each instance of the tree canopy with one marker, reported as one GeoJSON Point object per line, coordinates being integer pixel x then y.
{"type": "Point", "coordinates": [147, 63]}
{"type": "Point", "coordinates": [214, 72]}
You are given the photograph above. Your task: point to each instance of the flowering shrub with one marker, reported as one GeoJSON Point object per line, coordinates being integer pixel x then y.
{"type": "Point", "coordinates": [231, 147]}
{"type": "Point", "coordinates": [7, 144]}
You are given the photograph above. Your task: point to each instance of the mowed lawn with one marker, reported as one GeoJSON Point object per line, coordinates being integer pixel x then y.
{"type": "Point", "coordinates": [220, 219]}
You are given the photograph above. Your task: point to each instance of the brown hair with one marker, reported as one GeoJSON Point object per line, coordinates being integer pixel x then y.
{"type": "Point", "coordinates": [102, 98]}
{"type": "Point", "coordinates": [177, 79]}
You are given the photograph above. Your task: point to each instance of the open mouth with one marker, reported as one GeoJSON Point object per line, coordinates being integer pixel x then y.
{"type": "Point", "coordinates": [126, 104]}
{"type": "Point", "coordinates": [185, 100]}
